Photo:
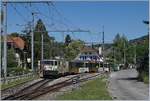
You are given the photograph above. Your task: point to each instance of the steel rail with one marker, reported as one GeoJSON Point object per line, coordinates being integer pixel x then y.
{"type": "Point", "coordinates": [55, 87]}
{"type": "Point", "coordinates": [29, 88]}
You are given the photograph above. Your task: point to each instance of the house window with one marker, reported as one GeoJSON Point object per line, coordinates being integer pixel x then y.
{"type": "Point", "coordinates": [85, 57]}
{"type": "Point", "coordinates": [91, 57]}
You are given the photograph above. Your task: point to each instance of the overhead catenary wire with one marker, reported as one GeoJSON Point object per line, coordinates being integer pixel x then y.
{"type": "Point", "coordinates": [58, 12]}
{"type": "Point", "coordinates": [16, 10]}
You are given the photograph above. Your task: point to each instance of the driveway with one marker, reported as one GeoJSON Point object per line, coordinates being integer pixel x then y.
{"type": "Point", "coordinates": [123, 85]}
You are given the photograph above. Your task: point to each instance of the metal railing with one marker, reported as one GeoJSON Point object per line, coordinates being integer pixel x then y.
{"type": "Point", "coordinates": [14, 78]}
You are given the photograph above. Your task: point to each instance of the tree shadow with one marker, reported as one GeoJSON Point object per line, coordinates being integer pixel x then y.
{"type": "Point", "coordinates": [129, 78]}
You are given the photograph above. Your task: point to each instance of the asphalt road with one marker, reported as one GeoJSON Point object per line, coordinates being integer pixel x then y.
{"type": "Point", "coordinates": [123, 85]}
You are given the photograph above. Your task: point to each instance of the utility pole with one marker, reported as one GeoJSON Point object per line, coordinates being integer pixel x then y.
{"type": "Point", "coordinates": [124, 55]}
{"type": "Point", "coordinates": [32, 44]}
{"type": "Point", "coordinates": [5, 39]}
{"type": "Point", "coordinates": [114, 56]}
{"type": "Point", "coordinates": [1, 44]}
{"type": "Point", "coordinates": [135, 54]}
{"type": "Point", "coordinates": [42, 47]}
{"type": "Point", "coordinates": [103, 46]}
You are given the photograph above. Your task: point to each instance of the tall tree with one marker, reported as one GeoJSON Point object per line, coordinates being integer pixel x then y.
{"type": "Point", "coordinates": [73, 49]}
{"type": "Point", "coordinates": [121, 49]}
{"type": "Point", "coordinates": [67, 40]}
{"type": "Point", "coordinates": [47, 44]}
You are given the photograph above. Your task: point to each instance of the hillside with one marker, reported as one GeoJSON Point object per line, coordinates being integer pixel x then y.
{"type": "Point", "coordinates": [139, 40]}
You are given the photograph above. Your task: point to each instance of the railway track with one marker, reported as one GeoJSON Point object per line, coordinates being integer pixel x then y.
{"type": "Point", "coordinates": [38, 85]}
{"type": "Point", "coordinates": [31, 94]}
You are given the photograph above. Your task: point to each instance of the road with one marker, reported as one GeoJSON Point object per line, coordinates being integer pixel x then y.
{"type": "Point", "coordinates": [123, 85]}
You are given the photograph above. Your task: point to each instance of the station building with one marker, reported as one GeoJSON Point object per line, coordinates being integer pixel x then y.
{"type": "Point", "coordinates": [88, 60]}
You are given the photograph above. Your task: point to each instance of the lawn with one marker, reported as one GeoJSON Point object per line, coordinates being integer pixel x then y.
{"type": "Point", "coordinates": [92, 90]}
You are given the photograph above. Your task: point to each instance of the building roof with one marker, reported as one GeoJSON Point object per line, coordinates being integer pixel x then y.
{"type": "Point", "coordinates": [17, 41]}
{"type": "Point", "coordinates": [88, 49]}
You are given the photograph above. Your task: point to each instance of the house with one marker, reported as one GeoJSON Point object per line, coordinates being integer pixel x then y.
{"type": "Point", "coordinates": [18, 44]}
{"type": "Point", "coordinates": [88, 60]}
{"type": "Point", "coordinates": [15, 42]}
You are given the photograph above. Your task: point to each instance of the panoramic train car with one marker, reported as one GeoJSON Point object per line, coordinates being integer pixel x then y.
{"type": "Point", "coordinates": [53, 68]}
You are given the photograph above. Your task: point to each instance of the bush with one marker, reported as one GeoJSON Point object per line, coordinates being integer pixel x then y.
{"type": "Point", "coordinates": [19, 71]}
{"type": "Point", "coordinates": [146, 79]}
{"type": "Point", "coordinates": [143, 67]}
{"type": "Point", "coordinates": [143, 76]}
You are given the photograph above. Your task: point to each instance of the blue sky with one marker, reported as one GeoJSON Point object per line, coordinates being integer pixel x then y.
{"type": "Point", "coordinates": [116, 16]}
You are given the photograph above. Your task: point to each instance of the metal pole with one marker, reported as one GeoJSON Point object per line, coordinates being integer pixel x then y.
{"type": "Point", "coordinates": [32, 44]}
{"type": "Point", "coordinates": [124, 55]}
{"type": "Point", "coordinates": [42, 47]}
{"type": "Point", "coordinates": [1, 46]}
{"type": "Point", "coordinates": [5, 39]}
{"type": "Point", "coordinates": [114, 56]}
{"type": "Point", "coordinates": [103, 47]}
{"type": "Point", "coordinates": [135, 54]}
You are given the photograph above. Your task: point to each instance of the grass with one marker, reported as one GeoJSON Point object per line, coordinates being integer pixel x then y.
{"type": "Point", "coordinates": [16, 82]}
{"type": "Point", "coordinates": [144, 77]}
{"type": "Point", "coordinates": [92, 90]}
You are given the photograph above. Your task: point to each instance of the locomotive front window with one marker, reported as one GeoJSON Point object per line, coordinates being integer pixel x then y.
{"type": "Point", "coordinates": [55, 62]}
{"type": "Point", "coordinates": [48, 62]}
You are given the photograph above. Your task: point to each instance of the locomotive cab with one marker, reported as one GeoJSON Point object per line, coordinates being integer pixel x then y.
{"type": "Point", "coordinates": [49, 68]}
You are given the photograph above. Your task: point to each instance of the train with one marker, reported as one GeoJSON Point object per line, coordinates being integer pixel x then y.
{"type": "Point", "coordinates": [59, 67]}
{"type": "Point", "coordinates": [53, 68]}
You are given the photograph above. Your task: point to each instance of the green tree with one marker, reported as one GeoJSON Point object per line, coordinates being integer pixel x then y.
{"type": "Point", "coordinates": [2, 16]}
{"type": "Point", "coordinates": [73, 49]}
{"type": "Point", "coordinates": [38, 31]}
{"type": "Point", "coordinates": [11, 60]}
{"type": "Point", "coordinates": [142, 51]}
{"type": "Point", "coordinates": [121, 48]}
{"type": "Point", "coordinates": [67, 40]}
{"type": "Point", "coordinates": [15, 34]}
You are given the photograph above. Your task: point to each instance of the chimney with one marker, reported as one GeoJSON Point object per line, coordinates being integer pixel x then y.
{"type": "Point", "coordinates": [100, 50]}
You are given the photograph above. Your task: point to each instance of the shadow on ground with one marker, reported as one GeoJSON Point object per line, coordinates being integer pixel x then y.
{"type": "Point", "coordinates": [130, 78]}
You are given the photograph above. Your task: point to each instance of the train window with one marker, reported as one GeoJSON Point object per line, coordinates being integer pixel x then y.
{"type": "Point", "coordinates": [55, 62]}
{"type": "Point", "coordinates": [47, 62]}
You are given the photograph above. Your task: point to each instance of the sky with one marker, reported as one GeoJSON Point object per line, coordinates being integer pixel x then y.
{"type": "Point", "coordinates": [116, 17]}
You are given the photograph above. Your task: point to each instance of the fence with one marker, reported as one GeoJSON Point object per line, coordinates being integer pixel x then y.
{"type": "Point", "coordinates": [14, 78]}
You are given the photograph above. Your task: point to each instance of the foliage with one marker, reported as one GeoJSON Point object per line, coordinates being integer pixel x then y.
{"type": "Point", "coordinates": [11, 58]}
{"type": "Point", "coordinates": [73, 49]}
{"type": "Point", "coordinates": [120, 47]}
{"type": "Point", "coordinates": [143, 60]}
{"type": "Point", "coordinates": [38, 31]}
{"type": "Point", "coordinates": [2, 16]}
{"type": "Point", "coordinates": [15, 34]}
{"type": "Point", "coordinates": [67, 40]}
{"type": "Point", "coordinates": [18, 71]}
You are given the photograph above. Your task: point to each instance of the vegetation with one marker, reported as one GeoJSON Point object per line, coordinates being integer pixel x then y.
{"type": "Point", "coordinates": [92, 90]}
{"type": "Point", "coordinates": [67, 40]}
{"type": "Point", "coordinates": [121, 51]}
{"type": "Point", "coordinates": [38, 31]}
{"type": "Point", "coordinates": [73, 49]}
{"type": "Point", "coordinates": [16, 82]}
{"type": "Point", "coordinates": [143, 59]}
{"type": "Point", "coordinates": [11, 58]}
